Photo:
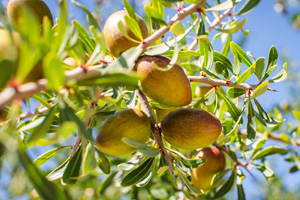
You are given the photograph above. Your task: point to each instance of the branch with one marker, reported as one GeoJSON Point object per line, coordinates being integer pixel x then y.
{"type": "Point", "coordinates": [156, 131]}
{"type": "Point", "coordinates": [27, 90]}
{"type": "Point", "coordinates": [217, 82]}
{"type": "Point", "coordinates": [271, 136]}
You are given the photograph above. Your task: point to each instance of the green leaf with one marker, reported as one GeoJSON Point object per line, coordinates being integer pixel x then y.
{"type": "Point", "coordinates": [221, 69]}
{"type": "Point", "coordinates": [67, 114]}
{"type": "Point", "coordinates": [234, 27]}
{"type": "Point", "coordinates": [188, 184]}
{"type": "Point", "coordinates": [251, 123]}
{"type": "Point", "coordinates": [248, 6]}
{"type": "Point", "coordinates": [232, 109]}
{"type": "Point", "coordinates": [7, 70]}
{"type": "Point", "coordinates": [103, 162]}
{"type": "Point", "coordinates": [262, 88]}
{"type": "Point", "coordinates": [58, 172]}
{"type": "Point", "coordinates": [240, 191]}
{"type": "Point", "coordinates": [269, 151]}
{"type": "Point", "coordinates": [246, 75]}
{"type": "Point", "coordinates": [72, 171]}
{"type": "Point", "coordinates": [129, 9]}
{"type": "Point", "coordinates": [46, 189]}
{"type": "Point", "coordinates": [206, 50]}
{"type": "Point", "coordinates": [89, 161]}
{"type": "Point", "coordinates": [134, 27]}
{"type": "Point", "coordinates": [143, 148]}
{"type": "Point", "coordinates": [264, 115]}
{"type": "Point", "coordinates": [125, 62]}
{"type": "Point", "coordinates": [123, 31]}
{"type": "Point", "coordinates": [154, 15]}
{"type": "Point", "coordinates": [195, 163]}
{"type": "Point", "coordinates": [235, 92]}
{"type": "Point", "coordinates": [85, 37]}
{"type": "Point", "coordinates": [282, 75]}
{"type": "Point", "coordinates": [177, 28]}
{"type": "Point", "coordinates": [226, 186]}
{"type": "Point", "coordinates": [293, 169]}
{"type": "Point", "coordinates": [107, 182]}
{"type": "Point", "coordinates": [113, 80]}
{"type": "Point", "coordinates": [267, 172]}
{"type": "Point", "coordinates": [272, 60]}
{"type": "Point", "coordinates": [221, 58]}
{"type": "Point", "coordinates": [48, 155]}
{"type": "Point", "coordinates": [259, 67]}
{"type": "Point", "coordinates": [91, 19]}
{"type": "Point", "coordinates": [165, 47]}
{"type": "Point", "coordinates": [44, 127]}
{"type": "Point", "coordinates": [222, 6]}
{"type": "Point", "coordinates": [54, 72]}
{"type": "Point", "coordinates": [240, 54]}
{"type": "Point", "coordinates": [137, 174]}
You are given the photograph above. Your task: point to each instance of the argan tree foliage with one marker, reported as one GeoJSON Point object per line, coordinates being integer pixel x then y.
{"type": "Point", "coordinates": [52, 130]}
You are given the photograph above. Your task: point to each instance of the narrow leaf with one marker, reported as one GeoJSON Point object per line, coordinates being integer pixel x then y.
{"type": "Point", "coordinates": [137, 174]}
{"type": "Point", "coordinates": [227, 185]}
{"type": "Point", "coordinates": [269, 151]}
{"type": "Point", "coordinates": [232, 109]}
{"type": "Point", "coordinates": [134, 27]}
{"type": "Point", "coordinates": [240, 54]}
{"type": "Point", "coordinates": [251, 123]}
{"type": "Point", "coordinates": [48, 155]}
{"type": "Point", "coordinates": [223, 6]}
{"type": "Point", "coordinates": [72, 171]}
{"type": "Point", "coordinates": [282, 75]}
{"type": "Point", "coordinates": [248, 6]}
{"type": "Point", "coordinates": [246, 75]}
{"type": "Point", "coordinates": [235, 92]}
{"type": "Point", "coordinates": [129, 9]}
{"type": "Point", "coordinates": [262, 88]}
{"type": "Point", "coordinates": [103, 162]}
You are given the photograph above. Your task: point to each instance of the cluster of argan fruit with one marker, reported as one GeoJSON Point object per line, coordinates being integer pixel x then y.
{"type": "Point", "coordinates": [184, 128]}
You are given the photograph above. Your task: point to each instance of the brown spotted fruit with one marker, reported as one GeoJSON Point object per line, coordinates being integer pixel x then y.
{"type": "Point", "coordinates": [167, 87]}
{"type": "Point", "coordinates": [215, 162]}
{"type": "Point", "coordinates": [116, 42]}
{"type": "Point", "coordinates": [37, 7]}
{"type": "Point", "coordinates": [190, 128]}
{"type": "Point", "coordinates": [131, 123]}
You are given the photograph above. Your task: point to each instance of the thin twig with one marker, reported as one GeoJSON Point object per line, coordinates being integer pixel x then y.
{"type": "Point", "coordinates": [271, 136]}
{"type": "Point", "coordinates": [217, 82]}
{"type": "Point", "coordinates": [156, 131]}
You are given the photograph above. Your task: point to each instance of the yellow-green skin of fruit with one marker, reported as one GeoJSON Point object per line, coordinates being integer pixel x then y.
{"type": "Point", "coordinates": [38, 7]}
{"type": "Point", "coordinates": [131, 123]}
{"type": "Point", "coordinates": [116, 42]}
{"type": "Point", "coordinates": [9, 50]}
{"type": "Point", "coordinates": [201, 91]}
{"type": "Point", "coordinates": [215, 162]}
{"type": "Point", "coordinates": [190, 128]}
{"type": "Point", "coordinates": [170, 88]}
{"type": "Point", "coordinates": [161, 113]}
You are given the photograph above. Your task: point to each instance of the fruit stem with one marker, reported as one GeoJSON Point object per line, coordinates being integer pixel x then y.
{"type": "Point", "coordinates": [156, 132]}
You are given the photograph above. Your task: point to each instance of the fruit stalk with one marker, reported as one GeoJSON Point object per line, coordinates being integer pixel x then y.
{"type": "Point", "coordinates": [156, 131]}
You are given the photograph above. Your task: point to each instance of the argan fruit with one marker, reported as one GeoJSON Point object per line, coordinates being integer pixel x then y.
{"type": "Point", "coordinates": [201, 91]}
{"type": "Point", "coordinates": [9, 58]}
{"type": "Point", "coordinates": [71, 62]}
{"type": "Point", "coordinates": [169, 88]}
{"type": "Point", "coordinates": [116, 42]}
{"type": "Point", "coordinates": [215, 162]}
{"type": "Point", "coordinates": [190, 128]}
{"type": "Point", "coordinates": [38, 7]}
{"type": "Point", "coordinates": [131, 123]}
{"type": "Point", "coordinates": [162, 112]}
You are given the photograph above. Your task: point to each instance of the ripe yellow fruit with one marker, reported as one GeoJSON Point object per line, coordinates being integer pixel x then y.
{"type": "Point", "coordinates": [38, 7]}
{"type": "Point", "coordinates": [190, 128]}
{"type": "Point", "coordinates": [116, 42]}
{"type": "Point", "coordinates": [131, 123]}
{"type": "Point", "coordinates": [169, 88]}
{"type": "Point", "coordinates": [215, 162]}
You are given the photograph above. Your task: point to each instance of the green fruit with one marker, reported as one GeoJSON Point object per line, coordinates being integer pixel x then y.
{"type": "Point", "coordinates": [162, 112]}
{"type": "Point", "coordinates": [169, 88]}
{"type": "Point", "coordinates": [116, 42]}
{"type": "Point", "coordinates": [9, 58]}
{"type": "Point", "coordinates": [215, 162]}
{"type": "Point", "coordinates": [190, 128]}
{"type": "Point", "coordinates": [71, 62]}
{"type": "Point", "coordinates": [201, 91]}
{"type": "Point", "coordinates": [38, 7]}
{"type": "Point", "coordinates": [131, 123]}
